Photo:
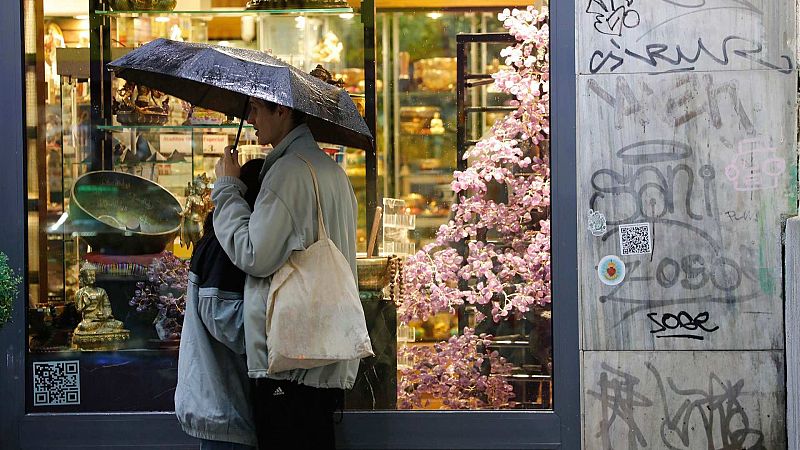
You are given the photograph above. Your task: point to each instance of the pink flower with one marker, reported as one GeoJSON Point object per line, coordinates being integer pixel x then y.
{"type": "Point", "coordinates": [517, 278]}
{"type": "Point", "coordinates": [452, 371]}
{"type": "Point", "coordinates": [507, 278]}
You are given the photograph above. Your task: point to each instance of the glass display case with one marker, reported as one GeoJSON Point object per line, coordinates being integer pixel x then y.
{"type": "Point", "coordinates": [110, 142]}
{"type": "Point", "coordinates": [122, 191]}
{"type": "Point", "coordinates": [66, 389]}
{"type": "Point", "coordinates": [419, 60]}
{"type": "Point", "coordinates": [424, 129]}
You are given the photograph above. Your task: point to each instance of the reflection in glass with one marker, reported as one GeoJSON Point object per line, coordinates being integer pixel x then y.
{"type": "Point", "coordinates": [158, 155]}
{"type": "Point", "coordinates": [476, 296]}
{"type": "Point", "coordinates": [459, 316]}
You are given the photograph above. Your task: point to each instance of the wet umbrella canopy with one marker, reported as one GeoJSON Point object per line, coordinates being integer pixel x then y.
{"type": "Point", "coordinates": [224, 78]}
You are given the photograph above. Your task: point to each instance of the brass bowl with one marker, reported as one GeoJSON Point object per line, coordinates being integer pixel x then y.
{"type": "Point", "coordinates": [373, 273]}
{"type": "Point", "coordinates": [436, 74]}
{"type": "Point", "coordinates": [415, 119]}
{"type": "Point", "coordinates": [123, 214]}
{"type": "Point", "coordinates": [139, 117]}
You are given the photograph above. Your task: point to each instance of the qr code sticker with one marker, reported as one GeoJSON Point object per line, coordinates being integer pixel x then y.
{"type": "Point", "coordinates": [634, 239]}
{"type": "Point", "coordinates": [56, 383]}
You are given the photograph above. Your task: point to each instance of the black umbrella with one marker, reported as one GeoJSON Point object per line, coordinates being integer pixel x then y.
{"type": "Point", "coordinates": [224, 78]}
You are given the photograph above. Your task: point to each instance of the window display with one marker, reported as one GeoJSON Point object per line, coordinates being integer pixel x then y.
{"type": "Point", "coordinates": [456, 293]}
{"type": "Point", "coordinates": [477, 294]}
{"type": "Point", "coordinates": [120, 202]}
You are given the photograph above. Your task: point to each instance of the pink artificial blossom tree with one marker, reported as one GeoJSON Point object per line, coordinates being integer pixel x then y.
{"type": "Point", "coordinates": [514, 275]}
{"type": "Point", "coordinates": [504, 279]}
{"type": "Point", "coordinates": [463, 373]}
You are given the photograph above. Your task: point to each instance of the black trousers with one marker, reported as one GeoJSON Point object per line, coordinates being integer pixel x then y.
{"type": "Point", "coordinates": [294, 416]}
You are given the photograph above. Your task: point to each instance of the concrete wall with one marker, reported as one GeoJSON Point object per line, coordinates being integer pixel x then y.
{"type": "Point", "coordinates": [687, 149]}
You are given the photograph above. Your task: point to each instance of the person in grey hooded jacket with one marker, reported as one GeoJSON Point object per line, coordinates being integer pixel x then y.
{"type": "Point", "coordinates": [212, 398]}
{"type": "Point", "coordinates": [294, 409]}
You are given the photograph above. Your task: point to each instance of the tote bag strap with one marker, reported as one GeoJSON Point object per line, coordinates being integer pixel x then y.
{"type": "Point", "coordinates": [320, 220]}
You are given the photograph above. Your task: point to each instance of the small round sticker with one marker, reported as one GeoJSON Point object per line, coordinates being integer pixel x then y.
{"type": "Point", "coordinates": [611, 270]}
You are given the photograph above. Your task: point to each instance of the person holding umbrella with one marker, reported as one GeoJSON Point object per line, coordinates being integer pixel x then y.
{"type": "Point", "coordinates": [293, 409]}
{"type": "Point", "coordinates": [291, 111]}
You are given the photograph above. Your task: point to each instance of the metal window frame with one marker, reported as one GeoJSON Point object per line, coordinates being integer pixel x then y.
{"type": "Point", "coordinates": [559, 428]}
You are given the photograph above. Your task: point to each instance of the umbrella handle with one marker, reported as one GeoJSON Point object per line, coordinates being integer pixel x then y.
{"type": "Point", "coordinates": [241, 123]}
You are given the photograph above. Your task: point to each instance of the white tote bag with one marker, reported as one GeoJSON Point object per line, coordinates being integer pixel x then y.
{"type": "Point", "coordinates": [314, 315]}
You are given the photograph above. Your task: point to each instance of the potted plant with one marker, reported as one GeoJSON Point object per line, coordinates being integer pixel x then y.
{"type": "Point", "coordinates": [9, 288]}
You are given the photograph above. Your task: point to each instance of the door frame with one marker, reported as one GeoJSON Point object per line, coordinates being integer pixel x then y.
{"type": "Point", "coordinates": [556, 429]}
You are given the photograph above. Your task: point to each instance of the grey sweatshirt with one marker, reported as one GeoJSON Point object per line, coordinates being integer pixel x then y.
{"type": "Point", "coordinates": [284, 220]}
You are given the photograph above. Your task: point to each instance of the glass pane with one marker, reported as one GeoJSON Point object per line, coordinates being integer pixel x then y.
{"type": "Point", "coordinates": [229, 12]}
{"type": "Point", "coordinates": [121, 191]}
{"type": "Point", "coordinates": [468, 251]}
{"type": "Point", "coordinates": [117, 199]}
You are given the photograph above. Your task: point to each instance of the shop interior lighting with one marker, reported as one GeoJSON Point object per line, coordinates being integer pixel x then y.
{"type": "Point", "coordinates": [81, 17]}
{"type": "Point", "coordinates": [435, 15]}
{"type": "Point", "coordinates": [300, 22]}
{"type": "Point", "coordinates": [346, 16]}
{"type": "Point", "coordinates": [162, 19]}
{"type": "Point", "coordinates": [59, 222]}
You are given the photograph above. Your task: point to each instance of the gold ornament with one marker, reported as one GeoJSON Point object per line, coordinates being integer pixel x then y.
{"type": "Point", "coordinates": [98, 330]}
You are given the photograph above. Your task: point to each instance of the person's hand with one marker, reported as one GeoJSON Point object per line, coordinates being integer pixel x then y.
{"type": "Point", "coordinates": [228, 165]}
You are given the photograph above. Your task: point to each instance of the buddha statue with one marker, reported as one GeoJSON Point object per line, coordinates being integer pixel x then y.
{"type": "Point", "coordinates": [98, 330]}
{"type": "Point", "coordinates": [437, 124]}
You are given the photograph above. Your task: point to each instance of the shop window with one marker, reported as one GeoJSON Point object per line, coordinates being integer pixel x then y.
{"type": "Point", "coordinates": [473, 291]}
{"type": "Point", "coordinates": [117, 193]}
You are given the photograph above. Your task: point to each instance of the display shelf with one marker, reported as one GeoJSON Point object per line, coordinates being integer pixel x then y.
{"type": "Point", "coordinates": [231, 11]}
{"type": "Point", "coordinates": [427, 94]}
{"type": "Point", "coordinates": [171, 127]}
{"type": "Point", "coordinates": [431, 221]}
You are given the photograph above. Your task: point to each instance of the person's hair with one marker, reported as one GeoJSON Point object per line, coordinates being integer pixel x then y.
{"type": "Point", "coordinates": [298, 117]}
{"type": "Point", "coordinates": [249, 174]}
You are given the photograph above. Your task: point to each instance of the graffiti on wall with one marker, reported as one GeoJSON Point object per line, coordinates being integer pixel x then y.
{"type": "Point", "coordinates": [660, 184]}
{"type": "Point", "coordinates": [684, 153]}
{"type": "Point", "coordinates": [645, 49]}
{"type": "Point", "coordinates": [691, 415]}
{"type": "Point", "coordinates": [655, 192]}
{"type": "Point", "coordinates": [686, 99]}
{"type": "Point", "coordinates": [613, 16]}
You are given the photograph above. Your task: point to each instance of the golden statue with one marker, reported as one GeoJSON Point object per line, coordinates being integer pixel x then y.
{"type": "Point", "coordinates": [437, 124]}
{"type": "Point", "coordinates": [98, 330]}
{"type": "Point", "coordinates": [197, 206]}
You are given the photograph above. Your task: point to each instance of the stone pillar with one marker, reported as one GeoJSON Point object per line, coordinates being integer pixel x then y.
{"type": "Point", "coordinates": [687, 136]}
